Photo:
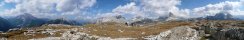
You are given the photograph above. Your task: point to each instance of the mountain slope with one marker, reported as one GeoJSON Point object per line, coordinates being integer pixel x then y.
{"type": "Point", "coordinates": [221, 16]}
{"type": "Point", "coordinates": [4, 25]}
{"type": "Point", "coordinates": [62, 21]}
{"type": "Point", "coordinates": [117, 19]}
{"type": "Point", "coordinates": [26, 20]}
{"type": "Point", "coordinates": [239, 16]}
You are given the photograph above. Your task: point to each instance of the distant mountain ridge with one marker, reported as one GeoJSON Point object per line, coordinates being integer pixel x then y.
{"type": "Point", "coordinates": [116, 18]}
{"type": "Point", "coordinates": [239, 16]}
{"type": "Point", "coordinates": [26, 20]}
{"type": "Point", "coordinates": [221, 16]}
{"type": "Point", "coordinates": [62, 21]}
{"type": "Point", "coordinates": [170, 17]}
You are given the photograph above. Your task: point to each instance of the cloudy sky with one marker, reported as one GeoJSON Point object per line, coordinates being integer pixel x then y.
{"type": "Point", "coordinates": [90, 9]}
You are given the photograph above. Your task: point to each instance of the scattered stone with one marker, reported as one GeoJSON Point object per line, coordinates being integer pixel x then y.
{"type": "Point", "coordinates": [120, 31]}
{"type": "Point", "coordinates": [14, 29]}
{"type": "Point", "coordinates": [143, 33]}
{"type": "Point", "coordinates": [232, 34]}
{"type": "Point", "coordinates": [178, 33]}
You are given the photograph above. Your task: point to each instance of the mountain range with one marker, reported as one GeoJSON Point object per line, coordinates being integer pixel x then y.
{"type": "Point", "coordinates": [170, 17]}
{"type": "Point", "coordinates": [63, 21]}
{"type": "Point", "coordinates": [221, 16]}
{"type": "Point", "coordinates": [27, 20]}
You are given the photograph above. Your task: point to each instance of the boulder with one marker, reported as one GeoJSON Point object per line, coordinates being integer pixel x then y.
{"type": "Point", "coordinates": [178, 33]}
{"type": "Point", "coordinates": [229, 34]}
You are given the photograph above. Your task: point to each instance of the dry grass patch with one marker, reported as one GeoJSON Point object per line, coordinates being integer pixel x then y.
{"type": "Point", "coordinates": [123, 31]}
{"type": "Point", "coordinates": [113, 30]}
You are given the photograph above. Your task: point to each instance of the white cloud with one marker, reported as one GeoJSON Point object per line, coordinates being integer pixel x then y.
{"type": "Point", "coordinates": [49, 8]}
{"type": "Point", "coordinates": [70, 5]}
{"type": "Point", "coordinates": [212, 9]}
{"type": "Point", "coordinates": [151, 8]}
{"type": "Point", "coordinates": [130, 9]}
{"type": "Point", "coordinates": [159, 7]}
{"type": "Point", "coordinates": [163, 7]}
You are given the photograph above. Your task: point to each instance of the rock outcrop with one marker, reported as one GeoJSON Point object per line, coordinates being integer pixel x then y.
{"type": "Point", "coordinates": [178, 33]}
{"type": "Point", "coordinates": [228, 34]}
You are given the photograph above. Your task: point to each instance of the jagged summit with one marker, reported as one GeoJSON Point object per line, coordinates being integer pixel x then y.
{"type": "Point", "coordinates": [26, 16]}
{"type": "Point", "coordinates": [172, 17]}
{"type": "Point", "coordinates": [117, 19]}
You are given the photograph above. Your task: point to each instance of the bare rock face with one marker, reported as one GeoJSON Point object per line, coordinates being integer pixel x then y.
{"type": "Point", "coordinates": [221, 16]}
{"type": "Point", "coordinates": [178, 33]}
{"type": "Point", "coordinates": [116, 19]}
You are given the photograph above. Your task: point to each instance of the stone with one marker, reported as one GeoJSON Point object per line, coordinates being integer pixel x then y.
{"type": "Point", "coordinates": [231, 34]}
{"type": "Point", "coordinates": [178, 33]}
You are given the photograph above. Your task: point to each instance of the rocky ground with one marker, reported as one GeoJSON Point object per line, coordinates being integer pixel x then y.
{"type": "Point", "coordinates": [171, 30]}
{"type": "Point", "coordinates": [222, 30]}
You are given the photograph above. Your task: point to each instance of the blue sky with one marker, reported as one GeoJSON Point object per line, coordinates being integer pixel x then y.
{"type": "Point", "coordinates": [242, 8]}
{"type": "Point", "coordinates": [108, 5]}
{"type": "Point", "coordinates": [104, 6]}
{"type": "Point", "coordinates": [190, 4]}
{"type": "Point", "coordinates": [7, 6]}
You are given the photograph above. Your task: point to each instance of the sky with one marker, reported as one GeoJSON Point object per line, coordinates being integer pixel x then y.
{"type": "Point", "coordinates": [91, 9]}
{"type": "Point", "coordinates": [190, 4]}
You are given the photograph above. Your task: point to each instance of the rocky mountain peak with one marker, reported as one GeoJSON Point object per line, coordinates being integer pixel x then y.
{"type": "Point", "coordinates": [221, 16]}
{"type": "Point", "coordinates": [116, 18]}
{"type": "Point", "coordinates": [171, 14]}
